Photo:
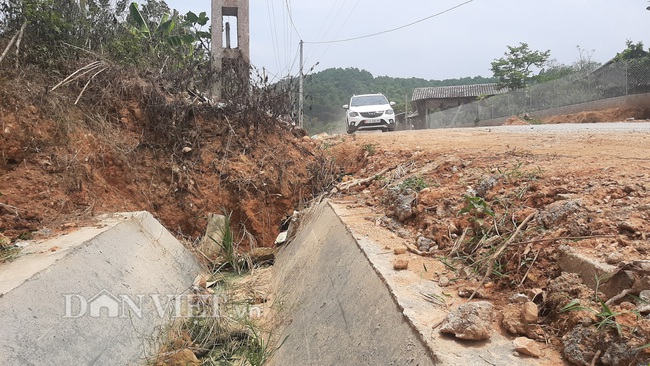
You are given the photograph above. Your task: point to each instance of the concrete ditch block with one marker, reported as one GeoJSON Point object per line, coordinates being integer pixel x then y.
{"type": "Point", "coordinates": [339, 309]}
{"type": "Point", "coordinates": [95, 296]}
{"type": "Point", "coordinates": [343, 304]}
{"type": "Point", "coordinates": [607, 277]}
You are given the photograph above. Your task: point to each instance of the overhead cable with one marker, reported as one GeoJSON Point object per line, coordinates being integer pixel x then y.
{"type": "Point", "coordinates": [392, 30]}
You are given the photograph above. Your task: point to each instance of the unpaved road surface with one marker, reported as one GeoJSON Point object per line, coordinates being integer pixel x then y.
{"type": "Point", "coordinates": [490, 212]}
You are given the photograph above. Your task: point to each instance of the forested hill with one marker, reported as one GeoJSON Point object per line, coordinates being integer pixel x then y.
{"type": "Point", "coordinates": [327, 91]}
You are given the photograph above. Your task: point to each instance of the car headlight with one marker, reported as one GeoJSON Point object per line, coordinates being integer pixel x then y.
{"type": "Point", "coordinates": [390, 112]}
{"type": "Point", "coordinates": [353, 114]}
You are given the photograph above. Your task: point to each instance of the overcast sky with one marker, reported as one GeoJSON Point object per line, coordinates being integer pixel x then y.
{"type": "Point", "coordinates": [456, 44]}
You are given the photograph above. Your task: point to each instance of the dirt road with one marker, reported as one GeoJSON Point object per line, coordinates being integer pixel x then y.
{"type": "Point", "coordinates": [490, 212]}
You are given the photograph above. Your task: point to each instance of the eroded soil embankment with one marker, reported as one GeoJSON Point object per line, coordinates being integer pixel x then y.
{"type": "Point", "coordinates": [131, 146]}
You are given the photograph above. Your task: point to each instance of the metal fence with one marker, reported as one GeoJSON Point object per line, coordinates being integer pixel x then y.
{"type": "Point", "coordinates": [614, 80]}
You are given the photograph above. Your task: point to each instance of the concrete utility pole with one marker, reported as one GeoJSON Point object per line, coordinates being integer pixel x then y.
{"type": "Point", "coordinates": [406, 112]}
{"type": "Point", "coordinates": [229, 8]}
{"type": "Point", "coordinates": [301, 96]}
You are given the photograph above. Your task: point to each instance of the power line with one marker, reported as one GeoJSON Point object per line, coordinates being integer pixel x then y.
{"type": "Point", "coordinates": [291, 18]}
{"type": "Point", "coordinates": [273, 26]}
{"type": "Point", "coordinates": [394, 29]}
{"type": "Point", "coordinates": [341, 27]}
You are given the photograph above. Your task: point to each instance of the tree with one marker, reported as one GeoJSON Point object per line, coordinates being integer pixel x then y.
{"type": "Point", "coordinates": [633, 50]}
{"type": "Point", "coordinates": [514, 69]}
{"type": "Point", "coordinates": [585, 60]}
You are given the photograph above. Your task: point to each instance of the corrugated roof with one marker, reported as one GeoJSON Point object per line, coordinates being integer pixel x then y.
{"type": "Point", "coordinates": [442, 92]}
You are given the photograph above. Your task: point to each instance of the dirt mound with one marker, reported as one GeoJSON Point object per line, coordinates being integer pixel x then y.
{"type": "Point", "coordinates": [607, 115]}
{"type": "Point", "coordinates": [130, 145]}
{"type": "Point", "coordinates": [498, 215]}
{"type": "Point", "coordinates": [514, 121]}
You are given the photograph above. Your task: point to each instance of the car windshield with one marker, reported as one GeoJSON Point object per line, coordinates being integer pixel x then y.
{"type": "Point", "coordinates": [368, 100]}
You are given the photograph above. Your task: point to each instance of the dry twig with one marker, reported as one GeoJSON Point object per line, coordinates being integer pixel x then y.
{"type": "Point", "coordinates": [6, 206]}
{"type": "Point", "coordinates": [95, 68]}
{"type": "Point", "coordinates": [562, 238]}
{"type": "Point", "coordinates": [529, 268]}
{"type": "Point", "coordinates": [14, 40]}
{"type": "Point", "coordinates": [459, 242]}
{"type": "Point", "coordinates": [347, 185]}
{"type": "Point", "coordinates": [415, 250]}
{"type": "Point", "coordinates": [18, 41]}
{"type": "Point", "coordinates": [498, 253]}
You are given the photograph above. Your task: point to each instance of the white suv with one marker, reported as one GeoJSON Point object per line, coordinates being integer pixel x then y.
{"type": "Point", "coordinates": [369, 112]}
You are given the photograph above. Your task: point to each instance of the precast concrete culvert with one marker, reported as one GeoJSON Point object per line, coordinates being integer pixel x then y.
{"type": "Point", "coordinates": [342, 303]}
{"type": "Point", "coordinates": [96, 296]}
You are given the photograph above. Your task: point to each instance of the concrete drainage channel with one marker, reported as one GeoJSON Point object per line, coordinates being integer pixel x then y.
{"type": "Point", "coordinates": [95, 296]}
{"type": "Point", "coordinates": [98, 295]}
{"type": "Point", "coordinates": [343, 304]}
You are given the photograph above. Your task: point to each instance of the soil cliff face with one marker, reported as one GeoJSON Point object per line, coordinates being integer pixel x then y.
{"type": "Point", "coordinates": [128, 145]}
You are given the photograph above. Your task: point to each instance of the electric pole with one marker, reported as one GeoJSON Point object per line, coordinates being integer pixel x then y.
{"type": "Point", "coordinates": [300, 88]}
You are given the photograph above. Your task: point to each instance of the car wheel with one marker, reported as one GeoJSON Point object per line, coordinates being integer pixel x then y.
{"type": "Point", "coordinates": [349, 130]}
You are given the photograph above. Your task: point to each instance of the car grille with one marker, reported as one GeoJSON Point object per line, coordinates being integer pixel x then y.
{"type": "Point", "coordinates": [372, 114]}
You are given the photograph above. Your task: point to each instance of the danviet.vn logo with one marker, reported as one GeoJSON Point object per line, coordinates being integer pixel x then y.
{"type": "Point", "coordinates": [106, 304]}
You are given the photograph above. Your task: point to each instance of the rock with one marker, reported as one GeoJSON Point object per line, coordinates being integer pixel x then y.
{"type": "Point", "coordinates": [282, 238]}
{"type": "Point", "coordinates": [557, 212]}
{"type": "Point", "coordinates": [641, 284]}
{"type": "Point", "coordinates": [404, 205]}
{"type": "Point", "coordinates": [403, 233]}
{"type": "Point", "coordinates": [443, 281]}
{"type": "Point", "coordinates": [632, 226]}
{"type": "Point", "coordinates": [645, 295]}
{"type": "Point", "coordinates": [424, 243]}
{"type": "Point", "coordinates": [588, 269]}
{"type": "Point", "coordinates": [485, 186]}
{"type": "Point", "coordinates": [534, 293]}
{"type": "Point", "coordinates": [400, 264]}
{"type": "Point", "coordinates": [211, 243]}
{"type": "Point", "coordinates": [511, 319]}
{"type": "Point", "coordinates": [399, 250]}
{"type": "Point", "coordinates": [21, 244]}
{"type": "Point", "coordinates": [187, 149]}
{"type": "Point", "coordinates": [627, 306]}
{"type": "Point", "coordinates": [519, 299]}
{"type": "Point", "coordinates": [644, 307]}
{"type": "Point", "coordinates": [529, 313]}
{"type": "Point", "coordinates": [44, 233]}
{"type": "Point", "coordinates": [618, 354]}
{"type": "Point", "coordinates": [466, 292]}
{"type": "Point", "coordinates": [615, 258]}
{"type": "Point", "coordinates": [466, 272]}
{"type": "Point", "coordinates": [620, 281]}
{"type": "Point", "coordinates": [521, 215]}
{"type": "Point", "coordinates": [471, 321]}
{"type": "Point", "coordinates": [527, 346]}
{"type": "Point", "coordinates": [516, 320]}
{"type": "Point", "coordinates": [580, 345]}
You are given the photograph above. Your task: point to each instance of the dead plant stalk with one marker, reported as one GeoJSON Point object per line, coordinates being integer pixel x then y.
{"type": "Point", "coordinates": [95, 68]}
{"type": "Point", "coordinates": [16, 39]}
{"type": "Point", "coordinates": [498, 253]}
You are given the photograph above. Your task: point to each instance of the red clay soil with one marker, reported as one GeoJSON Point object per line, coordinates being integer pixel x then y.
{"type": "Point", "coordinates": [586, 191]}
{"type": "Point", "coordinates": [133, 147]}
